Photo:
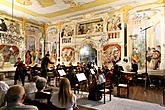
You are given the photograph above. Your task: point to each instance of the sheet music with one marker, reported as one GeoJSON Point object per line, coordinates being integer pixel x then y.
{"type": "Point", "coordinates": [96, 67]}
{"type": "Point", "coordinates": [92, 71]}
{"type": "Point", "coordinates": [81, 77]}
{"type": "Point", "coordinates": [61, 72]}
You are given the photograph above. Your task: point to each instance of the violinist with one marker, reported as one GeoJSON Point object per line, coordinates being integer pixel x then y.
{"type": "Point", "coordinates": [116, 73]}
{"type": "Point", "coordinates": [20, 71]}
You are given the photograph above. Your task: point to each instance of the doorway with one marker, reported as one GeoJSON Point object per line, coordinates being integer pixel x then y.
{"type": "Point", "coordinates": [88, 54]}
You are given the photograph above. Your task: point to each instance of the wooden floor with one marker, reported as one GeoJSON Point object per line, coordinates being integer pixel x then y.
{"type": "Point", "coordinates": [153, 95]}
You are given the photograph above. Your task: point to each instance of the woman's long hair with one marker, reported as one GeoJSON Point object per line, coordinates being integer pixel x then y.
{"type": "Point", "coordinates": [65, 93]}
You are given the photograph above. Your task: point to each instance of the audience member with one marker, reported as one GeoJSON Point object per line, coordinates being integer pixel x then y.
{"type": "Point", "coordinates": [3, 86]}
{"type": "Point", "coordinates": [2, 99]}
{"type": "Point", "coordinates": [15, 97]}
{"type": "Point", "coordinates": [40, 95]}
{"type": "Point", "coordinates": [64, 98]}
{"type": "Point", "coordinates": [31, 88]}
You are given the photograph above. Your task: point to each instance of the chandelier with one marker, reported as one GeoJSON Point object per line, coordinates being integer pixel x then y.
{"type": "Point", "coordinates": [25, 2]}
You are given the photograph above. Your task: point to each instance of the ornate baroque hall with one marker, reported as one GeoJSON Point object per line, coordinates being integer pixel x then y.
{"type": "Point", "coordinates": [82, 54]}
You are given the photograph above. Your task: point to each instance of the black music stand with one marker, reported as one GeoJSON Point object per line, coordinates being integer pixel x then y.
{"type": "Point", "coordinates": [61, 72]}
{"type": "Point", "coordinates": [145, 35]}
{"type": "Point", "coordinates": [80, 77]}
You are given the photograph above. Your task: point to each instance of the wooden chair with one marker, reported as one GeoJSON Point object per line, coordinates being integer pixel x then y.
{"type": "Point", "coordinates": [123, 84]}
{"type": "Point", "coordinates": [107, 89]}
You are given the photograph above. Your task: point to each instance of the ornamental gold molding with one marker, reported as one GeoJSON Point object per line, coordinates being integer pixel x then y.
{"type": "Point", "coordinates": [46, 3]}
{"type": "Point", "coordinates": [125, 9]}
{"type": "Point", "coordinates": [25, 2]}
{"type": "Point", "coordinates": [58, 13]}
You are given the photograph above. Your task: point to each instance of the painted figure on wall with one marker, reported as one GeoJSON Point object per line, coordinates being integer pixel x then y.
{"type": "Point", "coordinates": [68, 54]}
{"type": "Point", "coordinates": [90, 27]}
{"type": "Point", "coordinates": [68, 30]}
{"type": "Point", "coordinates": [111, 53]}
{"type": "Point", "coordinates": [9, 53]}
{"type": "Point", "coordinates": [153, 58]}
{"type": "Point", "coordinates": [31, 42]}
{"type": "Point", "coordinates": [28, 58]}
{"type": "Point", "coordinates": [114, 23]}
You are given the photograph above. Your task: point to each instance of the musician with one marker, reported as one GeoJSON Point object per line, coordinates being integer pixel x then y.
{"type": "Point", "coordinates": [44, 65]}
{"type": "Point", "coordinates": [97, 84]}
{"type": "Point", "coordinates": [116, 73]}
{"type": "Point", "coordinates": [100, 79]}
{"type": "Point", "coordinates": [78, 68]}
{"type": "Point", "coordinates": [62, 66]}
{"type": "Point", "coordinates": [20, 71]}
{"type": "Point", "coordinates": [105, 70]}
{"type": "Point", "coordinates": [134, 66]}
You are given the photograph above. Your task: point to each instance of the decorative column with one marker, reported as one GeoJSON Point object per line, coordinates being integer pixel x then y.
{"type": "Point", "coordinates": [59, 25]}
{"type": "Point", "coordinates": [45, 26]}
{"type": "Point", "coordinates": [24, 44]}
{"type": "Point", "coordinates": [125, 48]}
{"type": "Point", "coordinates": [105, 21]}
{"type": "Point", "coordinates": [162, 41]}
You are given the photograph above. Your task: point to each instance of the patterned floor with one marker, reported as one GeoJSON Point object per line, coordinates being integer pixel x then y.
{"type": "Point", "coordinates": [119, 104]}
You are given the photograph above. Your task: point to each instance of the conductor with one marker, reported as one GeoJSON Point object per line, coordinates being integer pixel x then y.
{"type": "Point", "coordinates": [44, 65]}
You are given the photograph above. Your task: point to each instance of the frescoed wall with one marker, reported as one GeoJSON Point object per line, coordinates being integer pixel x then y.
{"type": "Point", "coordinates": [68, 54]}
{"type": "Point", "coordinates": [9, 53]}
{"type": "Point", "coordinates": [111, 52]}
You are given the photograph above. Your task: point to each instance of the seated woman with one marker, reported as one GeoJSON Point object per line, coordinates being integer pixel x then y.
{"type": "Point", "coordinates": [96, 86]}
{"type": "Point", "coordinates": [101, 79]}
{"type": "Point", "coordinates": [30, 88]}
{"type": "Point", "coordinates": [64, 99]}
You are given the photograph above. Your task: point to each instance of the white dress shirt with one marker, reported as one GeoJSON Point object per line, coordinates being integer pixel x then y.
{"type": "Point", "coordinates": [3, 86]}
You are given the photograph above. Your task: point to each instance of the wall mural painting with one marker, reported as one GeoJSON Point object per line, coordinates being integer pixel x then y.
{"type": "Point", "coordinates": [114, 23]}
{"type": "Point", "coordinates": [67, 31]}
{"type": "Point", "coordinates": [10, 32]}
{"type": "Point", "coordinates": [68, 54]}
{"type": "Point", "coordinates": [31, 43]}
{"type": "Point", "coordinates": [66, 40]}
{"type": "Point", "coordinates": [90, 27]}
{"type": "Point", "coordinates": [111, 52]}
{"type": "Point", "coordinates": [8, 53]}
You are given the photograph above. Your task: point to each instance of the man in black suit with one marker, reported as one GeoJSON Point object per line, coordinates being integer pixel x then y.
{"type": "Point", "coordinates": [44, 65]}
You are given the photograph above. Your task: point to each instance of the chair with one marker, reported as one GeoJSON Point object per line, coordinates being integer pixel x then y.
{"type": "Point", "coordinates": [107, 89]}
{"type": "Point", "coordinates": [143, 78]}
{"type": "Point", "coordinates": [123, 84]}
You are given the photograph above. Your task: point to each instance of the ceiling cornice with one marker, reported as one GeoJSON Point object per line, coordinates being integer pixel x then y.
{"type": "Point", "coordinates": [59, 13]}
{"type": "Point", "coordinates": [46, 3]}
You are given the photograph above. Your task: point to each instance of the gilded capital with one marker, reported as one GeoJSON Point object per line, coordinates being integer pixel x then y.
{"type": "Point", "coordinates": [125, 9]}
{"type": "Point", "coordinates": [161, 1]}
{"type": "Point", "coordinates": [59, 25]}
{"type": "Point", "coordinates": [23, 23]}
{"type": "Point", "coordinates": [45, 26]}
